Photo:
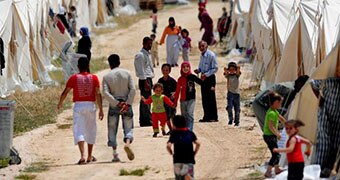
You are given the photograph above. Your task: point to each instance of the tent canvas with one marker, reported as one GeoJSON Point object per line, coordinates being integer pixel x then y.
{"type": "Point", "coordinates": [305, 105]}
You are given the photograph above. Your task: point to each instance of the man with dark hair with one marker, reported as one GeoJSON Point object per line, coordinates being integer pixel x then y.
{"type": "Point", "coordinates": [144, 72]}
{"type": "Point", "coordinates": [119, 91]}
{"type": "Point", "coordinates": [86, 91]}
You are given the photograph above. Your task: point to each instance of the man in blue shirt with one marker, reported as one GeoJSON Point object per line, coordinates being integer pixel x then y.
{"type": "Point", "coordinates": [208, 67]}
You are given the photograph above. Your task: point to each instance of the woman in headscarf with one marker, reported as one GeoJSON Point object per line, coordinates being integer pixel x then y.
{"type": "Point", "coordinates": [207, 25]}
{"type": "Point", "coordinates": [172, 42]}
{"type": "Point", "coordinates": [85, 44]}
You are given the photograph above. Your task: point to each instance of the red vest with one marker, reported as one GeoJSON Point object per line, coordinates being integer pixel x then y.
{"type": "Point", "coordinates": [296, 155]}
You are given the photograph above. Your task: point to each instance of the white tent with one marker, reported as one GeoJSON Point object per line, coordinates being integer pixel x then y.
{"type": "Point", "coordinates": [305, 105]}
{"type": "Point", "coordinates": [262, 33]}
{"type": "Point", "coordinates": [27, 32]}
{"type": "Point", "coordinates": [240, 32]}
{"type": "Point", "coordinates": [299, 54]}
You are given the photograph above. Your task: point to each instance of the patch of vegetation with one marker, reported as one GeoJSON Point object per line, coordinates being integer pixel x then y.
{"type": "Point", "coordinates": [34, 109]}
{"type": "Point", "coordinates": [4, 162]}
{"type": "Point", "coordinates": [64, 126]}
{"type": "Point", "coordinates": [123, 22]}
{"type": "Point", "coordinates": [257, 175]}
{"type": "Point", "coordinates": [136, 172]}
{"type": "Point", "coordinates": [26, 176]}
{"type": "Point", "coordinates": [57, 76]}
{"type": "Point", "coordinates": [98, 64]}
{"type": "Point", "coordinates": [36, 167]}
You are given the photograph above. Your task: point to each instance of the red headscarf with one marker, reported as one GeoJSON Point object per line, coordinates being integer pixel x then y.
{"type": "Point", "coordinates": [182, 67]}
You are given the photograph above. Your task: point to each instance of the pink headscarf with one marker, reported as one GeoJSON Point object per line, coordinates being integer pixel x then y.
{"type": "Point", "coordinates": [182, 67]}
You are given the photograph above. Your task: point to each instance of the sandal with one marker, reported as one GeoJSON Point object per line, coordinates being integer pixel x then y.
{"type": "Point", "coordinates": [81, 162]}
{"type": "Point", "coordinates": [93, 159]}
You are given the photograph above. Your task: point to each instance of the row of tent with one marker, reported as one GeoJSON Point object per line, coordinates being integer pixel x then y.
{"type": "Point", "coordinates": [30, 38]}
{"type": "Point", "coordinates": [291, 38]}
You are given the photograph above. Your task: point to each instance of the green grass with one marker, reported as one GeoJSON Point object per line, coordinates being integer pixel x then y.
{"type": "Point", "coordinates": [34, 109]}
{"type": "Point", "coordinates": [98, 64]}
{"type": "Point", "coordinates": [257, 175]}
{"type": "Point", "coordinates": [26, 176]}
{"type": "Point", "coordinates": [136, 172]}
{"type": "Point", "coordinates": [64, 126]}
{"type": "Point", "coordinates": [122, 22]}
{"type": "Point", "coordinates": [36, 167]}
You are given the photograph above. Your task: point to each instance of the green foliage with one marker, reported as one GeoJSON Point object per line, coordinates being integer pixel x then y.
{"type": "Point", "coordinates": [4, 162]}
{"type": "Point", "coordinates": [34, 109]}
{"type": "Point", "coordinates": [257, 175]}
{"type": "Point", "coordinates": [64, 126]}
{"type": "Point", "coordinates": [36, 167]}
{"type": "Point", "coordinates": [136, 172]}
{"type": "Point", "coordinates": [26, 176]}
{"type": "Point", "coordinates": [98, 64]}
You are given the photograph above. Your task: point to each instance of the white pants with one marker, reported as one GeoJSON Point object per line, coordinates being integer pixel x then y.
{"type": "Point", "coordinates": [84, 122]}
{"type": "Point", "coordinates": [172, 49]}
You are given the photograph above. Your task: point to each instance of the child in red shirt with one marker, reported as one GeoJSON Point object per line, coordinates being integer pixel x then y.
{"type": "Point", "coordinates": [293, 150]}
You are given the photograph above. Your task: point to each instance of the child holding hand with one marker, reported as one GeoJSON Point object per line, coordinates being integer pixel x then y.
{"type": "Point", "coordinates": [158, 109]}
{"type": "Point", "coordinates": [293, 150]}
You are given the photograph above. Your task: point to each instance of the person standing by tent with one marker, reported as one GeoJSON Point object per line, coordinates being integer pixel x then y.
{"type": "Point", "coordinates": [206, 24]}
{"type": "Point", "coordinates": [172, 42]}
{"type": "Point", "coordinates": [208, 67]}
{"type": "Point", "coordinates": [144, 72]}
{"type": "Point", "coordinates": [328, 129]}
{"type": "Point", "coordinates": [271, 133]}
{"type": "Point", "coordinates": [86, 91]}
{"type": "Point", "coordinates": [119, 91]}
{"type": "Point", "coordinates": [85, 44]}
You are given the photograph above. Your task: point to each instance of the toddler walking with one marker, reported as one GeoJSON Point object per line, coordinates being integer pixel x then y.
{"type": "Point", "coordinates": [154, 51]}
{"type": "Point", "coordinates": [158, 110]}
{"type": "Point", "coordinates": [293, 149]}
{"type": "Point", "coordinates": [154, 20]}
{"type": "Point", "coordinates": [186, 44]}
{"type": "Point", "coordinates": [232, 73]}
{"type": "Point", "coordinates": [184, 152]}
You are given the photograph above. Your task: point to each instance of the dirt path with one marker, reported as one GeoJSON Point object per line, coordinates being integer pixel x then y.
{"type": "Point", "coordinates": [225, 149]}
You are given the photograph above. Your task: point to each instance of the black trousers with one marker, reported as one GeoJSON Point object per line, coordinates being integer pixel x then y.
{"type": "Point", "coordinates": [209, 98]}
{"type": "Point", "coordinates": [271, 141]}
{"type": "Point", "coordinates": [145, 87]}
{"type": "Point", "coordinates": [295, 171]}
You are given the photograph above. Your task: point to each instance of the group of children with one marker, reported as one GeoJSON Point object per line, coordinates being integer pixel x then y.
{"type": "Point", "coordinates": [167, 92]}
{"type": "Point", "coordinates": [271, 135]}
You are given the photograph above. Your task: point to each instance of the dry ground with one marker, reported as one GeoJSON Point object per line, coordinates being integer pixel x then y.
{"type": "Point", "coordinates": [226, 152]}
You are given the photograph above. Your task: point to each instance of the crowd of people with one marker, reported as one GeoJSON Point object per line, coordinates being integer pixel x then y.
{"type": "Point", "coordinates": [158, 102]}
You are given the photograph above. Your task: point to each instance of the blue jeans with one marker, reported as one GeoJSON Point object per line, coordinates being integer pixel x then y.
{"type": "Point", "coordinates": [113, 122]}
{"type": "Point", "coordinates": [187, 110]}
{"type": "Point", "coordinates": [233, 101]}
